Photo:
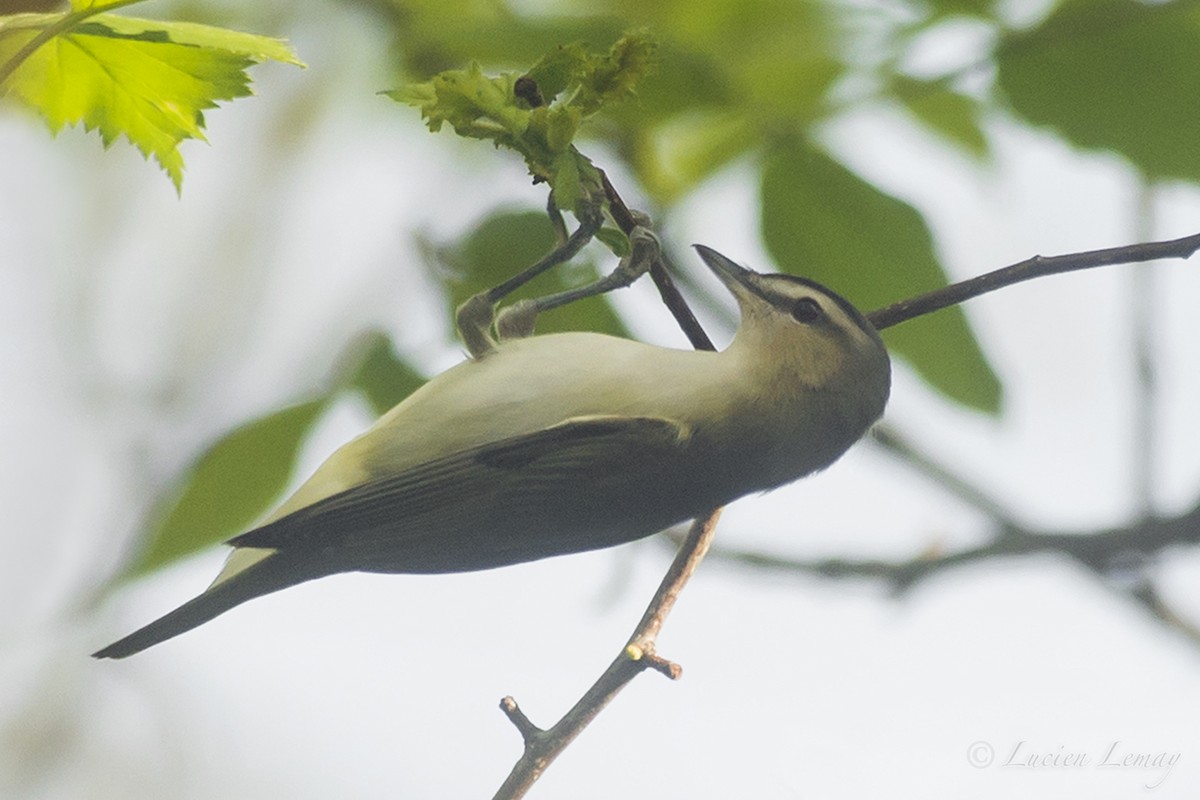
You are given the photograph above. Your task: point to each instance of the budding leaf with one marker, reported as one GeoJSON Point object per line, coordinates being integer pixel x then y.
{"type": "Point", "coordinates": [539, 121]}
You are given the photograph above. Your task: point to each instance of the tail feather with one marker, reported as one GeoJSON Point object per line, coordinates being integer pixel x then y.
{"type": "Point", "coordinates": [269, 575]}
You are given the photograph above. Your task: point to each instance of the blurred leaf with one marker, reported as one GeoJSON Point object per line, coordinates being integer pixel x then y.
{"type": "Point", "coordinates": [775, 59]}
{"type": "Point", "coordinates": [974, 8]}
{"type": "Point", "coordinates": [433, 36]}
{"type": "Point", "coordinates": [507, 242]}
{"type": "Point", "coordinates": [147, 80]}
{"type": "Point", "coordinates": [381, 376]}
{"type": "Point", "coordinates": [824, 222]}
{"type": "Point", "coordinates": [1116, 75]}
{"type": "Point", "coordinates": [614, 239]}
{"type": "Point", "coordinates": [954, 116]}
{"type": "Point", "coordinates": [682, 152]}
{"type": "Point", "coordinates": [229, 487]}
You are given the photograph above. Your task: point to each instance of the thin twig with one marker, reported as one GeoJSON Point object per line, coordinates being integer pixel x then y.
{"type": "Point", "coordinates": [1036, 267]}
{"type": "Point", "coordinates": [543, 746]}
{"type": "Point", "coordinates": [667, 290]}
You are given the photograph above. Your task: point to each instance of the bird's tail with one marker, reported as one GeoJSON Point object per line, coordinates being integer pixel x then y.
{"type": "Point", "coordinates": [269, 575]}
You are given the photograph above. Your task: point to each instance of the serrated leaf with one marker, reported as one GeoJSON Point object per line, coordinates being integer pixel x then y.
{"type": "Point", "coordinates": [229, 486]}
{"type": "Point", "coordinates": [1114, 75]}
{"type": "Point", "coordinates": [824, 222]}
{"type": "Point", "coordinates": [147, 80]}
{"type": "Point", "coordinates": [382, 377]}
{"type": "Point", "coordinates": [615, 75]}
{"type": "Point", "coordinates": [505, 243]}
{"type": "Point", "coordinates": [561, 67]}
{"type": "Point", "coordinates": [577, 85]}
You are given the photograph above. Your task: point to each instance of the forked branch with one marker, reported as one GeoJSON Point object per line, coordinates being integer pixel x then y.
{"type": "Point", "coordinates": [542, 746]}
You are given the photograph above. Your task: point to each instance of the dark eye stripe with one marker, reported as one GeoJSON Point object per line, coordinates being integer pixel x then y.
{"type": "Point", "coordinates": [778, 300]}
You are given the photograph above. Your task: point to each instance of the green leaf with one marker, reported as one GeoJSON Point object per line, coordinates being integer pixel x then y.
{"type": "Point", "coordinates": [682, 152]}
{"type": "Point", "coordinates": [824, 222]}
{"type": "Point", "coordinates": [147, 80]}
{"type": "Point", "coordinates": [382, 377]}
{"type": "Point", "coordinates": [614, 76]}
{"type": "Point", "coordinates": [1114, 75]}
{"type": "Point", "coordinates": [563, 66]}
{"type": "Point", "coordinates": [577, 85]}
{"type": "Point", "coordinates": [947, 113]}
{"type": "Point", "coordinates": [229, 486]}
{"type": "Point", "coordinates": [505, 243]}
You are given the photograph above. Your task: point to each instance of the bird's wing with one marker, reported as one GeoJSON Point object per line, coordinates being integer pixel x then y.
{"type": "Point", "coordinates": [585, 483]}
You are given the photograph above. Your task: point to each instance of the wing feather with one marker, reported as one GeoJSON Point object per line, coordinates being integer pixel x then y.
{"type": "Point", "coordinates": [583, 484]}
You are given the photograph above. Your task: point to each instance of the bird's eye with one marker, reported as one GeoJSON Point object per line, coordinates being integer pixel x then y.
{"type": "Point", "coordinates": [806, 310]}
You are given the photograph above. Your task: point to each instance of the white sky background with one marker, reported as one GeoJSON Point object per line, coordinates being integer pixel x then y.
{"type": "Point", "coordinates": [134, 326]}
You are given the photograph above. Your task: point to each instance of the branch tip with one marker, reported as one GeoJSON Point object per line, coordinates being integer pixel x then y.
{"type": "Point", "coordinates": [663, 666]}
{"type": "Point", "coordinates": [529, 732]}
{"type": "Point", "coordinates": [1035, 267]}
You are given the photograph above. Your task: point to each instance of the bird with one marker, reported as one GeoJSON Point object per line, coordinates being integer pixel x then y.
{"type": "Point", "coordinates": [568, 442]}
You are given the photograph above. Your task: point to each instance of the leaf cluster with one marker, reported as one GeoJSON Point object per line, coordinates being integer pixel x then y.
{"type": "Point", "coordinates": [538, 113]}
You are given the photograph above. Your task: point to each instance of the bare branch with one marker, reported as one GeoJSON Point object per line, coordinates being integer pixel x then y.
{"type": "Point", "coordinates": [1036, 267]}
{"type": "Point", "coordinates": [1101, 551]}
{"type": "Point", "coordinates": [543, 746]}
{"type": "Point", "coordinates": [670, 295]}
{"type": "Point", "coordinates": [1106, 553]}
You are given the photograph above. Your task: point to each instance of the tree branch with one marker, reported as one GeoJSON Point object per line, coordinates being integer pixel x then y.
{"type": "Point", "coordinates": [667, 290]}
{"type": "Point", "coordinates": [1106, 553]}
{"type": "Point", "coordinates": [543, 746]}
{"type": "Point", "coordinates": [1036, 267]}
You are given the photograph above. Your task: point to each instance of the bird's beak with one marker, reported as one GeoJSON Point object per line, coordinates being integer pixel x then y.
{"type": "Point", "coordinates": [738, 279]}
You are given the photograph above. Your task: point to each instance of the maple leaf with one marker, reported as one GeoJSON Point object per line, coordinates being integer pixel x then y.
{"type": "Point", "coordinates": [147, 80]}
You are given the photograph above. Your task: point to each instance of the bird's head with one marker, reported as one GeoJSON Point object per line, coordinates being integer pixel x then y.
{"type": "Point", "coordinates": [796, 331]}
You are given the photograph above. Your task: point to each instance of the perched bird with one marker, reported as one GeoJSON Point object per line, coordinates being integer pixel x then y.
{"type": "Point", "coordinates": [569, 442]}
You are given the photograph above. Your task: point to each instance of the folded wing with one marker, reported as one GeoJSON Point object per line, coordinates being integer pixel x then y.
{"type": "Point", "coordinates": [584, 484]}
